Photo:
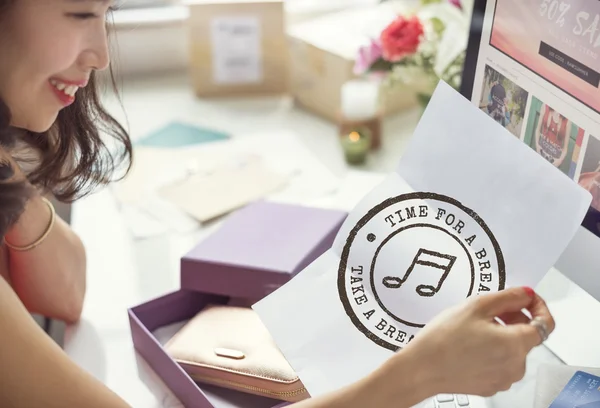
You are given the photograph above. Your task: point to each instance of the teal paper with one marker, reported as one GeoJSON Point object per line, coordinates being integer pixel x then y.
{"type": "Point", "coordinates": [177, 134]}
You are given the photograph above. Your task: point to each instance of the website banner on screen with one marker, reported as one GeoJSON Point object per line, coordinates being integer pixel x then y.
{"type": "Point", "coordinates": [558, 40]}
{"type": "Point", "coordinates": [538, 76]}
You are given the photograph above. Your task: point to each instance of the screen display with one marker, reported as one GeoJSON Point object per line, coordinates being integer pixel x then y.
{"type": "Point", "coordinates": [538, 76]}
{"type": "Point", "coordinates": [558, 40]}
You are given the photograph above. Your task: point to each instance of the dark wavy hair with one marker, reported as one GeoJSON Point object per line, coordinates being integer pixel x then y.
{"type": "Point", "coordinates": [74, 155]}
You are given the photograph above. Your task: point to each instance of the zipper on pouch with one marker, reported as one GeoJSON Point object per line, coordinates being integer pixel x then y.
{"type": "Point", "coordinates": [249, 387]}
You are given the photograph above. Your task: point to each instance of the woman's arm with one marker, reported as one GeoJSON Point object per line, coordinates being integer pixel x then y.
{"type": "Point", "coordinates": [435, 361]}
{"type": "Point", "coordinates": [402, 382]}
{"type": "Point", "coordinates": [35, 371]}
{"type": "Point", "coordinates": [50, 279]}
{"type": "Point", "coordinates": [31, 361]}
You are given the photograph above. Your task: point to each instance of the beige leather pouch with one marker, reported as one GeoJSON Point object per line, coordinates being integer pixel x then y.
{"type": "Point", "coordinates": [228, 346]}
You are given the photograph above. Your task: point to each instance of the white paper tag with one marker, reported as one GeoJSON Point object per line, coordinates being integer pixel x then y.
{"type": "Point", "coordinates": [236, 48]}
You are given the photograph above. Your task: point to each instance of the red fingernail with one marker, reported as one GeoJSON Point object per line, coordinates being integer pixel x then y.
{"type": "Point", "coordinates": [530, 292]}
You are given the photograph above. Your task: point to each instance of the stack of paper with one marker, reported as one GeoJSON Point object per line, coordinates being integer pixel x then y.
{"type": "Point", "coordinates": [180, 188]}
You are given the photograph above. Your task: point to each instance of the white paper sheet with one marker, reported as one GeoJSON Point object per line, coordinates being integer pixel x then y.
{"type": "Point", "coordinates": [470, 210]}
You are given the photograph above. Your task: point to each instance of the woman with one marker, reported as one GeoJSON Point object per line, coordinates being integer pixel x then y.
{"type": "Point", "coordinates": [552, 135]}
{"type": "Point", "coordinates": [38, 72]}
{"type": "Point", "coordinates": [50, 51]}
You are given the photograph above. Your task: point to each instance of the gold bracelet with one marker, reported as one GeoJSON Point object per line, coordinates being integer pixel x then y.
{"type": "Point", "coordinates": [44, 235]}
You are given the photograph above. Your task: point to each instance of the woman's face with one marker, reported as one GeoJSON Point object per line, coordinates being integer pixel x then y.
{"type": "Point", "coordinates": [48, 49]}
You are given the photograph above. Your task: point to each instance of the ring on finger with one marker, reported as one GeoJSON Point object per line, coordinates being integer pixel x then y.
{"type": "Point", "coordinates": [541, 326]}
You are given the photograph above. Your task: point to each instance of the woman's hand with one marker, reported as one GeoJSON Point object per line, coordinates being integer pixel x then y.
{"type": "Point", "coordinates": [465, 350]}
{"type": "Point", "coordinates": [49, 278]}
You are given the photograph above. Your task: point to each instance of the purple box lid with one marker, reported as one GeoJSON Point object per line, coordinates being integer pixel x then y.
{"type": "Point", "coordinates": [259, 248]}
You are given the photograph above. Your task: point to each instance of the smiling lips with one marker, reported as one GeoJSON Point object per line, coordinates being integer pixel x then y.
{"type": "Point", "coordinates": [65, 91]}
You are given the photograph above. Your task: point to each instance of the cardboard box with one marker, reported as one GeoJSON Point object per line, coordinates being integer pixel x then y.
{"type": "Point", "coordinates": [302, 10]}
{"type": "Point", "coordinates": [237, 47]}
{"type": "Point", "coordinates": [323, 53]}
{"type": "Point", "coordinates": [255, 250]}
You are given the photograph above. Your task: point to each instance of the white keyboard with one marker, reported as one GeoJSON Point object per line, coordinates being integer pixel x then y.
{"type": "Point", "coordinates": [455, 401]}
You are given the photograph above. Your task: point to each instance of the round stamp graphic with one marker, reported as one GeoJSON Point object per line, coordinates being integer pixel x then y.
{"type": "Point", "coordinates": [411, 257]}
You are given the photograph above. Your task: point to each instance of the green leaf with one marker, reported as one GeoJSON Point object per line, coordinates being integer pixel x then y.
{"type": "Point", "coordinates": [381, 65]}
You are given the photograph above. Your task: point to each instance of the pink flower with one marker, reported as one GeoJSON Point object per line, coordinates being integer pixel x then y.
{"type": "Point", "coordinates": [401, 38]}
{"type": "Point", "coordinates": [367, 56]}
{"type": "Point", "coordinates": [456, 3]}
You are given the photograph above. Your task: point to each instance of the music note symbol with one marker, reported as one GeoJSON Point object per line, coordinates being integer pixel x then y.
{"type": "Point", "coordinates": [425, 262]}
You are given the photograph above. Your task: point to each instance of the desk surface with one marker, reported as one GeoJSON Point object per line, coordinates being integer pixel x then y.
{"type": "Point", "coordinates": [123, 272]}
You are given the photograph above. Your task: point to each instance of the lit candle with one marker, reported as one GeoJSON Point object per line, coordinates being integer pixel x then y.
{"type": "Point", "coordinates": [356, 145]}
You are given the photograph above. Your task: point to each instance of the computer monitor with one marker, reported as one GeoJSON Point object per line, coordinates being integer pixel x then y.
{"type": "Point", "coordinates": [534, 66]}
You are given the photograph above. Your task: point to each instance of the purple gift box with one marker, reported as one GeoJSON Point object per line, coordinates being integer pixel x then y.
{"type": "Point", "coordinates": [255, 251]}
